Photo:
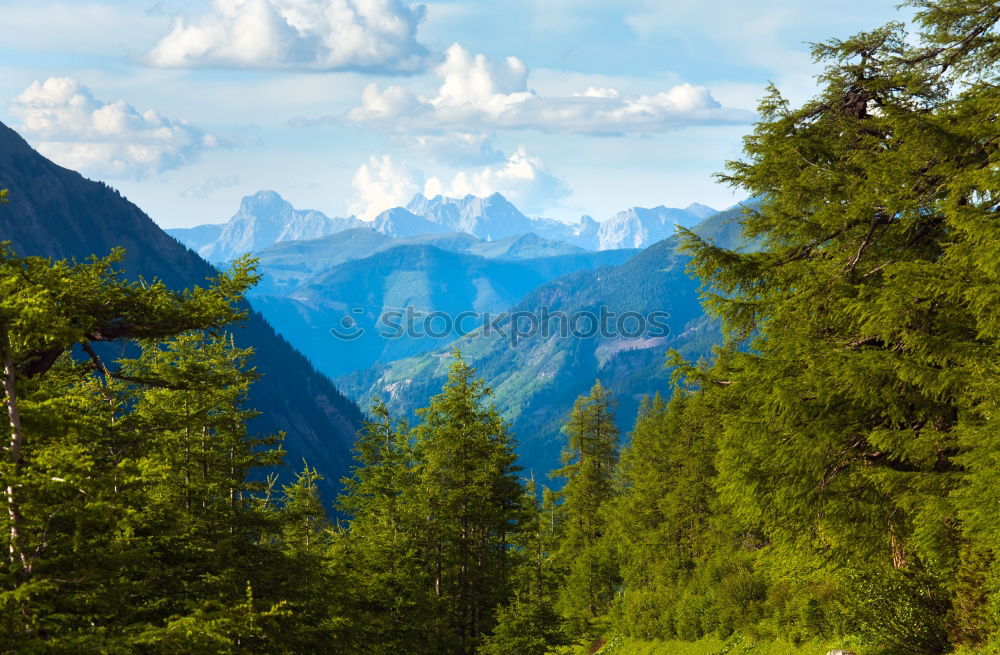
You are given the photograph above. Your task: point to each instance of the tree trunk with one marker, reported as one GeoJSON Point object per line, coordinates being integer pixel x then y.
{"type": "Point", "coordinates": [17, 553]}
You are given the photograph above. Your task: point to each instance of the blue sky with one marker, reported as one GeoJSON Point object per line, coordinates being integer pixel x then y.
{"type": "Point", "coordinates": [568, 107]}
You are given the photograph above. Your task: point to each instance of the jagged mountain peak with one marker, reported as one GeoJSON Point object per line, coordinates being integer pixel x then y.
{"type": "Point", "coordinates": [264, 198]}
{"type": "Point", "coordinates": [401, 222]}
{"type": "Point", "coordinates": [491, 217]}
{"type": "Point", "coordinates": [265, 218]}
{"type": "Point", "coordinates": [700, 210]}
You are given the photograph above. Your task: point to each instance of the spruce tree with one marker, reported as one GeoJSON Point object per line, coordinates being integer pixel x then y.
{"type": "Point", "coordinates": [134, 523]}
{"type": "Point", "coordinates": [393, 607]}
{"type": "Point", "coordinates": [589, 461]}
{"type": "Point", "coordinates": [662, 515]}
{"type": "Point", "coordinates": [470, 497]}
{"type": "Point", "coordinates": [859, 376]}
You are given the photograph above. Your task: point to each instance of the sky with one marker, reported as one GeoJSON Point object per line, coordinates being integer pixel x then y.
{"type": "Point", "coordinates": [567, 107]}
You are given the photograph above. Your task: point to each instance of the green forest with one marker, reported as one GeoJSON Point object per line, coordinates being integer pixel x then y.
{"type": "Point", "coordinates": [829, 478]}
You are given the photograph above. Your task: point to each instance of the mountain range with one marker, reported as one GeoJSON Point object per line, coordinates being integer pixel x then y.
{"type": "Point", "coordinates": [288, 264]}
{"type": "Point", "coordinates": [265, 219]}
{"type": "Point", "coordinates": [536, 379]}
{"type": "Point", "coordinates": [421, 280]}
{"type": "Point", "coordinates": [437, 256]}
{"type": "Point", "coordinates": [54, 212]}
{"type": "Point", "coordinates": [446, 256]}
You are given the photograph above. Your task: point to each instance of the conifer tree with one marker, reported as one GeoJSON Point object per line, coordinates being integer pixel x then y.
{"type": "Point", "coordinates": [471, 499]}
{"type": "Point", "coordinates": [662, 515]}
{"type": "Point", "coordinates": [133, 521]}
{"type": "Point", "coordinates": [588, 468]}
{"type": "Point", "coordinates": [392, 603]}
{"type": "Point", "coordinates": [860, 371]}
{"type": "Point", "coordinates": [529, 623]}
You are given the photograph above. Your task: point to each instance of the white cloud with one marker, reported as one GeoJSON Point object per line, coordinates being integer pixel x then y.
{"type": "Point", "coordinates": [377, 36]}
{"type": "Point", "coordinates": [523, 179]}
{"type": "Point", "coordinates": [479, 94]}
{"type": "Point", "coordinates": [383, 184]}
{"type": "Point", "coordinates": [64, 120]}
{"type": "Point", "coordinates": [479, 82]}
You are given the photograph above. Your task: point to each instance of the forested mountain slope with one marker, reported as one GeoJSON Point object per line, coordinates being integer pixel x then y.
{"type": "Point", "coordinates": [55, 212]}
{"type": "Point", "coordinates": [537, 378]}
{"type": "Point", "coordinates": [375, 293]}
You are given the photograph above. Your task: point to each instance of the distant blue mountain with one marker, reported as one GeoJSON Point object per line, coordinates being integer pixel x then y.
{"type": "Point", "coordinates": [287, 264]}
{"type": "Point", "coordinates": [262, 219]}
{"type": "Point", "coordinates": [399, 222]}
{"type": "Point", "coordinates": [415, 277]}
{"type": "Point", "coordinates": [536, 381]}
{"type": "Point", "coordinates": [265, 218]}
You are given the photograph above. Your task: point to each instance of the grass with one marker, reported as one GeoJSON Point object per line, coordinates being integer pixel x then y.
{"type": "Point", "coordinates": [709, 646]}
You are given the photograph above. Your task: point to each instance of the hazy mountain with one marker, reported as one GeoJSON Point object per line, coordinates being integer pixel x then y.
{"type": "Point", "coordinates": [399, 222]}
{"type": "Point", "coordinates": [54, 212]}
{"type": "Point", "coordinates": [700, 211]}
{"type": "Point", "coordinates": [286, 265]}
{"type": "Point", "coordinates": [537, 380]}
{"type": "Point", "coordinates": [416, 277]}
{"type": "Point", "coordinates": [523, 246]}
{"type": "Point", "coordinates": [265, 219]}
{"type": "Point", "coordinates": [197, 237]}
{"type": "Point", "coordinates": [488, 218]}
{"type": "Point", "coordinates": [495, 217]}
{"type": "Point", "coordinates": [638, 227]}
{"type": "Point", "coordinates": [262, 219]}
{"type": "Point", "coordinates": [582, 234]}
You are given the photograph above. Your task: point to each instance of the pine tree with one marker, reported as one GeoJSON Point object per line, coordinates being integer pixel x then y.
{"type": "Point", "coordinates": [663, 513]}
{"type": "Point", "coordinates": [859, 376]}
{"type": "Point", "coordinates": [471, 499]}
{"type": "Point", "coordinates": [589, 460]}
{"type": "Point", "coordinates": [528, 622]}
{"type": "Point", "coordinates": [134, 522]}
{"type": "Point", "coordinates": [393, 607]}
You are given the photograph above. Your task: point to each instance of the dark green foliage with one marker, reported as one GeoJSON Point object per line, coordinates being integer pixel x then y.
{"type": "Point", "coordinates": [584, 553]}
{"type": "Point", "coordinates": [662, 516]}
{"type": "Point", "coordinates": [434, 512]}
{"type": "Point", "coordinates": [394, 608]}
{"type": "Point", "coordinates": [54, 212]}
{"type": "Point", "coordinates": [529, 626]}
{"type": "Point", "coordinates": [851, 407]}
{"type": "Point", "coordinates": [132, 523]}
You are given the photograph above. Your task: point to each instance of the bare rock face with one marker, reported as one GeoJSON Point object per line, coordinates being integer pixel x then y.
{"type": "Point", "coordinates": [266, 218]}
{"type": "Point", "coordinates": [399, 222]}
{"type": "Point", "coordinates": [489, 218]}
{"type": "Point", "coordinates": [639, 227]}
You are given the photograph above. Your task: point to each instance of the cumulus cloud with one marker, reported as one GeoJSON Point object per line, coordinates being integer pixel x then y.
{"type": "Point", "coordinates": [69, 125]}
{"type": "Point", "coordinates": [523, 179]}
{"type": "Point", "coordinates": [376, 36]}
{"type": "Point", "coordinates": [477, 93]}
{"type": "Point", "coordinates": [381, 184]}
